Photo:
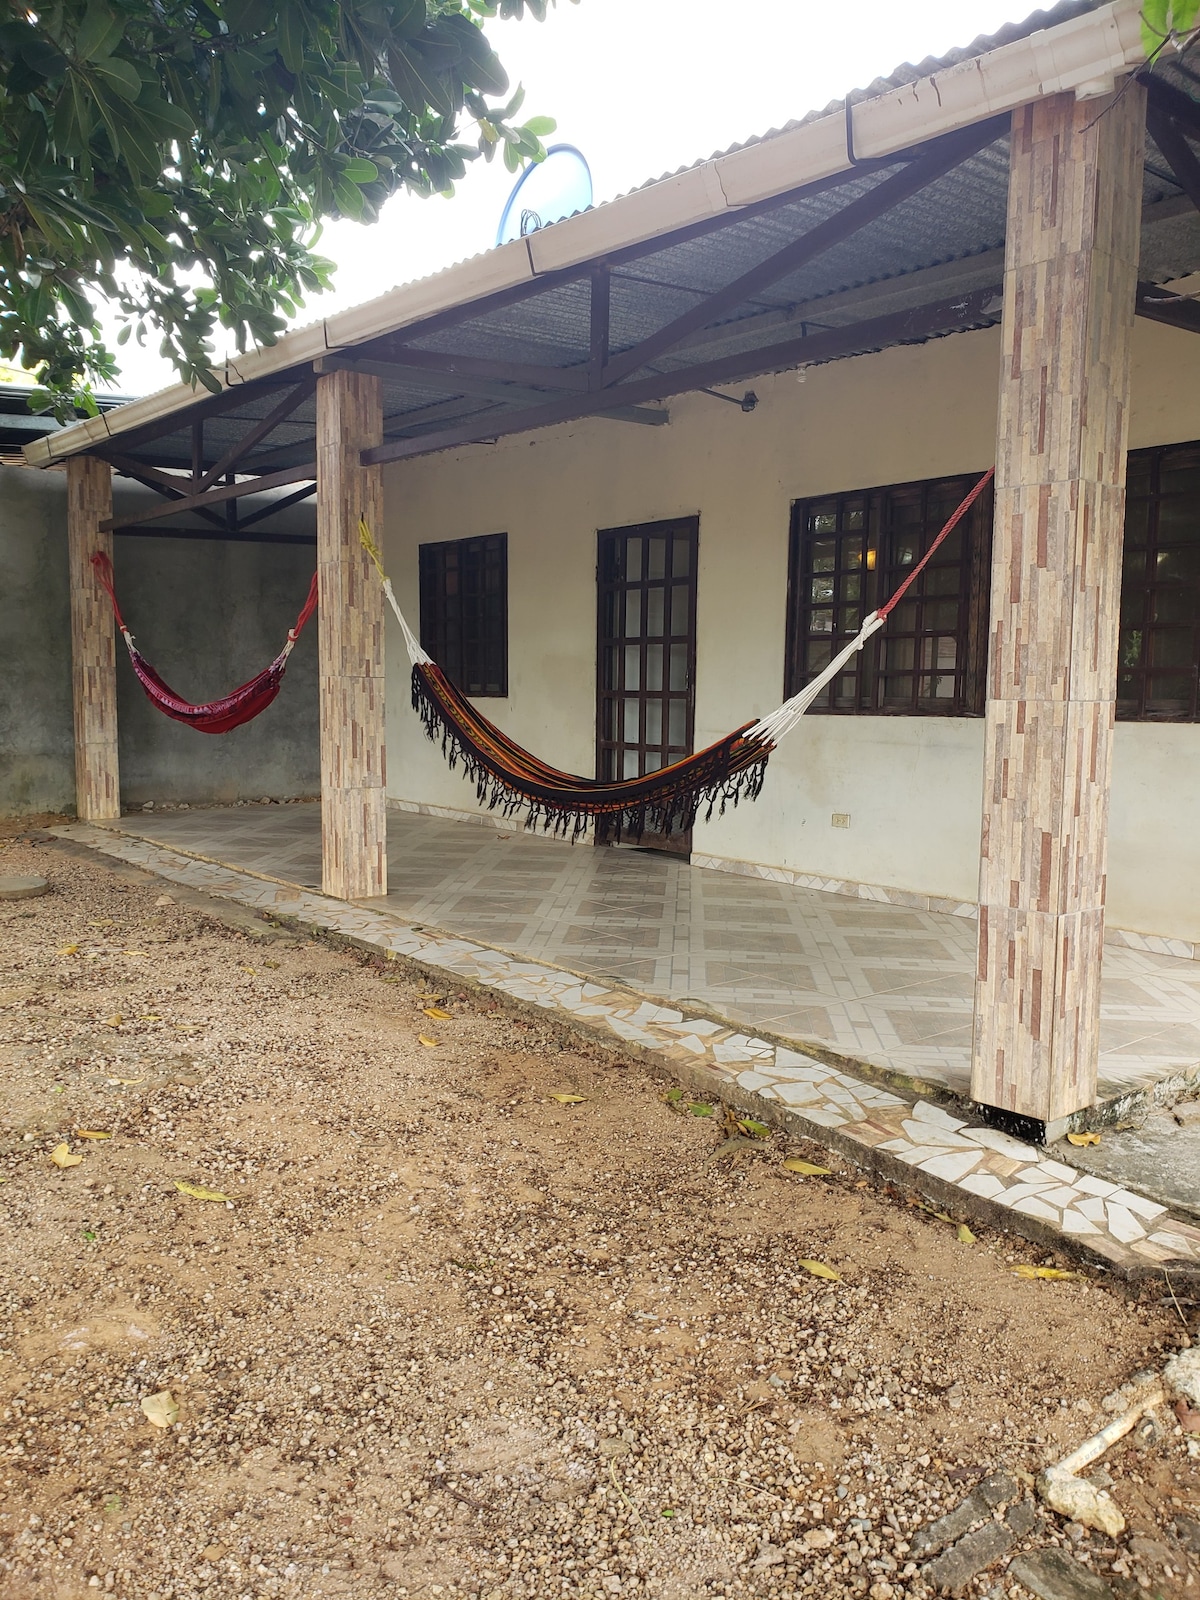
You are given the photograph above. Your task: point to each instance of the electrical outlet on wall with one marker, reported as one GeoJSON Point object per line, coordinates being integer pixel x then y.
{"type": "Point", "coordinates": [840, 819]}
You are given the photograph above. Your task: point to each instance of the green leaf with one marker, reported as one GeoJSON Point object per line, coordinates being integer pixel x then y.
{"type": "Point", "coordinates": [99, 33]}
{"type": "Point", "coordinates": [540, 127]}
{"type": "Point", "coordinates": [360, 170]}
{"type": "Point", "coordinates": [119, 76]}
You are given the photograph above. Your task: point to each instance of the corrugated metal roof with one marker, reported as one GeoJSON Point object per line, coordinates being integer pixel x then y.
{"type": "Point", "coordinates": [945, 240]}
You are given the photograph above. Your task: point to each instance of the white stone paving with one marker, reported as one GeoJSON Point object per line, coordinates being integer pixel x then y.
{"type": "Point", "coordinates": [1125, 1228]}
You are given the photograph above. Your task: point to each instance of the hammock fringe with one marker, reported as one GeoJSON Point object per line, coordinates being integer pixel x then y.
{"type": "Point", "coordinates": [708, 783]}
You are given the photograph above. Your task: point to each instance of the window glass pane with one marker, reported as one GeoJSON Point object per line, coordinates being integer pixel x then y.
{"type": "Point", "coordinates": [821, 622]}
{"type": "Point", "coordinates": [1170, 694]}
{"type": "Point", "coordinates": [823, 519]}
{"type": "Point", "coordinates": [1180, 474]}
{"type": "Point", "coordinates": [681, 556]}
{"type": "Point", "coordinates": [1179, 564]}
{"type": "Point", "coordinates": [630, 765]}
{"type": "Point", "coordinates": [633, 613]}
{"type": "Point", "coordinates": [651, 762]}
{"type": "Point", "coordinates": [630, 722]}
{"type": "Point", "coordinates": [679, 658]}
{"type": "Point", "coordinates": [655, 601]}
{"type": "Point", "coordinates": [1171, 647]}
{"type": "Point", "coordinates": [1179, 520]}
{"type": "Point", "coordinates": [657, 564]}
{"type": "Point", "coordinates": [821, 589]}
{"type": "Point", "coordinates": [654, 721]}
{"type": "Point", "coordinates": [824, 555]}
{"type": "Point", "coordinates": [633, 559]}
{"type": "Point", "coordinates": [1137, 521]}
{"type": "Point", "coordinates": [853, 517]}
{"type": "Point", "coordinates": [633, 667]}
{"type": "Point", "coordinates": [679, 610]}
{"type": "Point", "coordinates": [677, 722]}
{"type": "Point", "coordinates": [1180, 605]}
{"type": "Point", "coordinates": [1129, 649]}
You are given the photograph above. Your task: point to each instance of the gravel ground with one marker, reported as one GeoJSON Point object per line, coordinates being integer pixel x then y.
{"type": "Point", "coordinates": [453, 1336]}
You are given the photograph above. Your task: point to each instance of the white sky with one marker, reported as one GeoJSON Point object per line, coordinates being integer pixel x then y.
{"type": "Point", "coordinates": [641, 87]}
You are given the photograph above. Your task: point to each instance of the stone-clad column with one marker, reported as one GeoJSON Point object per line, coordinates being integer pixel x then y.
{"type": "Point", "coordinates": [350, 625]}
{"type": "Point", "coordinates": [1070, 278]}
{"type": "Point", "coordinates": [93, 641]}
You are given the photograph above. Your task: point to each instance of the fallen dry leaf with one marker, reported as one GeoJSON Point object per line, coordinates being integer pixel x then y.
{"type": "Point", "coordinates": [91, 1133]}
{"type": "Point", "coordinates": [128, 1082]}
{"type": "Point", "coordinates": [69, 950]}
{"type": "Point", "coordinates": [430, 1044]}
{"type": "Point", "coordinates": [1083, 1138]}
{"type": "Point", "coordinates": [135, 952]}
{"type": "Point", "coordinates": [569, 1099]}
{"type": "Point", "coordinates": [437, 1013]}
{"type": "Point", "coordinates": [253, 971]}
{"type": "Point", "coordinates": [757, 1130]}
{"type": "Point", "coordinates": [1026, 1271]}
{"type": "Point", "coordinates": [62, 1157]}
{"type": "Point", "coordinates": [114, 1021]}
{"type": "Point", "coordinates": [202, 1194]}
{"type": "Point", "coordinates": [806, 1169]}
{"type": "Point", "coordinates": [965, 1236]}
{"type": "Point", "coordinates": [162, 1409]}
{"type": "Point", "coordinates": [820, 1270]}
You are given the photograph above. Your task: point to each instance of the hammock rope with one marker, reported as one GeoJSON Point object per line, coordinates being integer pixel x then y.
{"type": "Point", "coordinates": [215, 716]}
{"type": "Point", "coordinates": [509, 778]}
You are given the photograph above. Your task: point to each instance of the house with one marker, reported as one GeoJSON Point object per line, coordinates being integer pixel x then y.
{"type": "Point", "coordinates": [983, 260]}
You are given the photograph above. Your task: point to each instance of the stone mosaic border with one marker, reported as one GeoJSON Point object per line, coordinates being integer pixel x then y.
{"type": "Point", "coordinates": [909, 1140]}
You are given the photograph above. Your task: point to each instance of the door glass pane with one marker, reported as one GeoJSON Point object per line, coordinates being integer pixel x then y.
{"type": "Point", "coordinates": [681, 556]}
{"type": "Point", "coordinates": [654, 667]}
{"type": "Point", "coordinates": [677, 723]}
{"type": "Point", "coordinates": [633, 613]}
{"type": "Point", "coordinates": [630, 720]}
{"type": "Point", "coordinates": [610, 668]}
{"type": "Point", "coordinates": [654, 721]}
{"type": "Point", "coordinates": [679, 655]}
{"type": "Point", "coordinates": [633, 560]}
{"type": "Point", "coordinates": [657, 566]}
{"type": "Point", "coordinates": [652, 762]}
{"type": "Point", "coordinates": [680, 619]}
{"type": "Point", "coordinates": [655, 599]}
{"type": "Point", "coordinates": [630, 768]}
{"type": "Point", "coordinates": [633, 667]}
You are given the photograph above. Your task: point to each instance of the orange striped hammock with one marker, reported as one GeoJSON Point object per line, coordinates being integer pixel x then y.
{"type": "Point", "coordinates": [509, 779]}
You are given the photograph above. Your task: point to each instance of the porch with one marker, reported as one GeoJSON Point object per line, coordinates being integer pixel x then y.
{"type": "Point", "coordinates": [889, 988]}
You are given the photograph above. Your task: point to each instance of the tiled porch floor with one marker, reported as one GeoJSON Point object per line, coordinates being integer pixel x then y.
{"type": "Point", "coordinates": [881, 983]}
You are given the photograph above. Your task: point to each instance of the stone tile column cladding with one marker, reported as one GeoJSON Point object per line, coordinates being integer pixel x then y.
{"type": "Point", "coordinates": [93, 641]}
{"type": "Point", "coordinates": [1070, 279]}
{"type": "Point", "coordinates": [350, 628]}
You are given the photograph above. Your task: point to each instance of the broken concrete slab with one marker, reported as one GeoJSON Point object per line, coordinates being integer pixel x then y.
{"type": "Point", "coordinates": [1054, 1575]}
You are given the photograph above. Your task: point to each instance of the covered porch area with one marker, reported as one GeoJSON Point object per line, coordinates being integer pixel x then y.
{"type": "Point", "coordinates": [887, 989]}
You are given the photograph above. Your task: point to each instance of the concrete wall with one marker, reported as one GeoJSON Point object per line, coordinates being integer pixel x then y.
{"type": "Point", "coordinates": [911, 785]}
{"type": "Point", "coordinates": [207, 616]}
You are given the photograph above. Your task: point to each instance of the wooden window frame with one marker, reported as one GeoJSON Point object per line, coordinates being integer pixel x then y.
{"type": "Point", "coordinates": [877, 535]}
{"type": "Point", "coordinates": [470, 645]}
{"type": "Point", "coordinates": [1155, 603]}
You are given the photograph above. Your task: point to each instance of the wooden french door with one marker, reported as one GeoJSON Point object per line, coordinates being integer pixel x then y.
{"type": "Point", "coordinates": [646, 661]}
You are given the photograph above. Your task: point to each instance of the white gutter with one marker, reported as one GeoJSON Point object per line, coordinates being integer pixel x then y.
{"type": "Point", "coordinates": [1081, 56]}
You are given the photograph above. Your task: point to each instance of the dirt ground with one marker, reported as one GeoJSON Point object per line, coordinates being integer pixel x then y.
{"type": "Point", "coordinates": [453, 1336]}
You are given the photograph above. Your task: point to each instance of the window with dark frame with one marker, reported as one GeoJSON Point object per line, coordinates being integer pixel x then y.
{"type": "Point", "coordinates": [1158, 663]}
{"type": "Point", "coordinates": [847, 554]}
{"type": "Point", "coordinates": [464, 611]}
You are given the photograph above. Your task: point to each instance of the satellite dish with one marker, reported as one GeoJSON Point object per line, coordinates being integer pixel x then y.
{"type": "Point", "coordinates": [546, 192]}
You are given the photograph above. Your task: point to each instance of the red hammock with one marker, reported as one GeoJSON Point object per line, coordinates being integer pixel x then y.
{"type": "Point", "coordinates": [218, 716]}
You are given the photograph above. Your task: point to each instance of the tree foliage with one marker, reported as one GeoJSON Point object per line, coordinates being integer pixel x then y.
{"type": "Point", "coordinates": [177, 158]}
{"type": "Point", "coordinates": [1167, 21]}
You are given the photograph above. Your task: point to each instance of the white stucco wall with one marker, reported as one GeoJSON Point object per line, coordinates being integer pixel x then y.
{"type": "Point", "coordinates": [910, 785]}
